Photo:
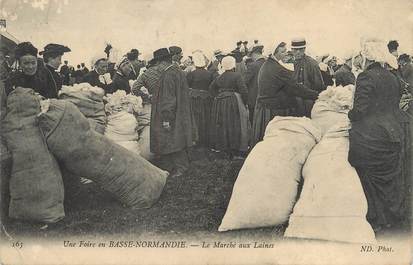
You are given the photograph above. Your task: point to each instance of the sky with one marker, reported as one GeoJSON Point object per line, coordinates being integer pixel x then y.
{"type": "Point", "coordinates": [329, 26]}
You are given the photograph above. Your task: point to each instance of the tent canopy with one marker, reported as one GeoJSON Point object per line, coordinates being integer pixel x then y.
{"type": "Point", "coordinates": [7, 41]}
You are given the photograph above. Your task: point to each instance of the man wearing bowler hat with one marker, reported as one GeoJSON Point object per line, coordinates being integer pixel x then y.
{"type": "Point", "coordinates": [171, 126]}
{"type": "Point", "coordinates": [52, 56]}
{"type": "Point", "coordinates": [307, 73]}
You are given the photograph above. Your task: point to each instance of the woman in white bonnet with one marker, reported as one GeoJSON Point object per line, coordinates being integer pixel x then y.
{"type": "Point", "coordinates": [379, 140]}
{"type": "Point", "coordinates": [229, 123]}
{"type": "Point", "coordinates": [201, 100]}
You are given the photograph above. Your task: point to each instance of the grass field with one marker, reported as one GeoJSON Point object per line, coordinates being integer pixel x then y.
{"type": "Point", "coordinates": [190, 205]}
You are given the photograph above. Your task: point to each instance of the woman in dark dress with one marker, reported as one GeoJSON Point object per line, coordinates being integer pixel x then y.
{"type": "Point", "coordinates": [33, 73]}
{"type": "Point", "coordinates": [229, 122]}
{"type": "Point", "coordinates": [380, 143]}
{"type": "Point", "coordinates": [201, 99]}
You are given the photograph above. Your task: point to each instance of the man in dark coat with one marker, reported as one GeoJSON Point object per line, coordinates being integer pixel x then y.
{"type": "Point", "coordinates": [277, 92]}
{"type": "Point", "coordinates": [251, 77]}
{"type": "Point", "coordinates": [52, 56]}
{"type": "Point", "coordinates": [306, 72]}
{"type": "Point", "coordinates": [171, 126]}
{"type": "Point", "coordinates": [177, 55]}
{"type": "Point", "coordinates": [85, 70]}
{"type": "Point", "coordinates": [344, 75]}
{"type": "Point", "coordinates": [236, 53]}
{"type": "Point", "coordinates": [65, 72]}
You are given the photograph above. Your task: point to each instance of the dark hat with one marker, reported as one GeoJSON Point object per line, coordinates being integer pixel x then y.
{"type": "Point", "coordinates": [298, 43]}
{"type": "Point", "coordinates": [255, 41]}
{"type": "Point", "coordinates": [175, 50]}
{"type": "Point", "coordinates": [239, 43]}
{"type": "Point", "coordinates": [245, 42]}
{"type": "Point", "coordinates": [392, 45]}
{"type": "Point", "coordinates": [161, 54]}
{"type": "Point", "coordinates": [257, 48]}
{"type": "Point", "coordinates": [133, 54]}
{"type": "Point", "coordinates": [55, 49]}
{"type": "Point", "coordinates": [135, 51]}
{"type": "Point", "coordinates": [25, 48]}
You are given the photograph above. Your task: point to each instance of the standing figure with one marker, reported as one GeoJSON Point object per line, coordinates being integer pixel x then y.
{"type": "Point", "coordinates": [33, 73]}
{"type": "Point", "coordinates": [229, 123]}
{"type": "Point", "coordinates": [380, 142]}
{"type": "Point", "coordinates": [201, 100]}
{"type": "Point", "coordinates": [121, 77]}
{"type": "Point", "coordinates": [52, 56]}
{"type": "Point", "coordinates": [65, 72]}
{"type": "Point", "coordinates": [171, 126]}
{"type": "Point", "coordinates": [99, 76]}
{"type": "Point", "coordinates": [277, 91]}
{"type": "Point", "coordinates": [344, 75]}
{"type": "Point", "coordinates": [251, 78]}
{"type": "Point", "coordinates": [306, 72]}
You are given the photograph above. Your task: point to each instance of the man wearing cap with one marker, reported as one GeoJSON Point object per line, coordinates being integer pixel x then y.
{"type": "Point", "coordinates": [171, 126]}
{"type": "Point", "coordinates": [251, 77]}
{"type": "Point", "coordinates": [306, 72]}
{"type": "Point", "coordinates": [344, 75]}
{"type": "Point", "coordinates": [52, 56]}
{"type": "Point", "coordinates": [176, 53]}
{"type": "Point", "coordinates": [277, 91]}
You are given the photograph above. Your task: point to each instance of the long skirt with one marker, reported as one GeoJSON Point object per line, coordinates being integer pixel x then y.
{"type": "Point", "coordinates": [262, 116]}
{"type": "Point", "coordinates": [229, 123]}
{"type": "Point", "coordinates": [384, 168]}
{"type": "Point", "coordinates": [201, 105]}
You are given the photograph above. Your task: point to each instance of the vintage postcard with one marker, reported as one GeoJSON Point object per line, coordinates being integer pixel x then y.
{"type": "Point", "coordinates": [206, 132]}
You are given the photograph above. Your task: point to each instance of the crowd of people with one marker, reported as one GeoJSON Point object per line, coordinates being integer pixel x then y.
{"type": "Point", "coordinates": [224, 103]}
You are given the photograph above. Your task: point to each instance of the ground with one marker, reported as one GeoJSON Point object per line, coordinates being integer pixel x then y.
{"type": "Point", "coordinates": [192, 204]}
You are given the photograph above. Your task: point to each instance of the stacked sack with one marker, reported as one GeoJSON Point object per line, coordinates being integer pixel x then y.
{"type": "Point", "coordinates": [332, 204]}
{"type": "Point", "coordinates": [36, 185]}
{"type": "Point", "coordinates": [266, 187]}
{"type": "Point", "coordinates": [122, 126]}
{"type": "Point", "coordinates": [84, 152]}
{"type": "Point", "coordinates": [89, 100]}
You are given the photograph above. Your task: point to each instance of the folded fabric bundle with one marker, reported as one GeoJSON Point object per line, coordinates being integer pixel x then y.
{"type": "Point", "coordinates": [266, 187]}
{"type": "Point", "coordinates": [130, 178]}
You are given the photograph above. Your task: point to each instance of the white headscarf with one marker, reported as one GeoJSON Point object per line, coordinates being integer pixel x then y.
{"type": "Point", "coordinates": [376, 50]}
{"type": "Point", "coordinates": [97, 58]}
{"type": "Point", "coordinates": [228, 63]}
{"type": "Point", "coordinates": [199, 59]}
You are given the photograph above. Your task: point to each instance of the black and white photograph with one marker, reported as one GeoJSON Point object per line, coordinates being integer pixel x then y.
{"type": "Point", "coordinates": [206, 132]}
